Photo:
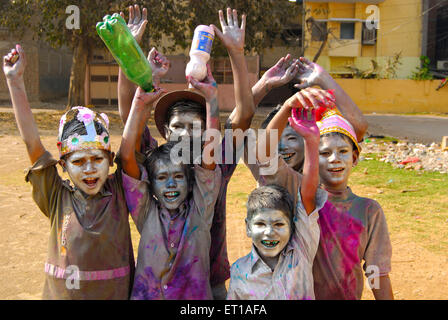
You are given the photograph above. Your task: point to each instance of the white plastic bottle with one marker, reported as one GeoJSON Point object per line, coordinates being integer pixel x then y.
{"type": "Point", "coordinates": [200, 52]}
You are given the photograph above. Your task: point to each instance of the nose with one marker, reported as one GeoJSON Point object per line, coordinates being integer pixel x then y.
{"type": "Point", "coordinates": [89, 167]}
{"type": "Point", "coordinates": [333, 157]}
{"type": "Point", "coordinates": [268, 230]}
{"type": "Point", "coordinates": [171, 183]}
{"type": "Point", "coordinates": [281, 145]}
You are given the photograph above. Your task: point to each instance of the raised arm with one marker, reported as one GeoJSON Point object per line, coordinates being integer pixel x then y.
{"type": "Point", "coordinates": [232, 36]}
{"type": "Point", "coordinates": [209, 90]}
{"type": "Point", "coordinates": [14, 70]}
{"type": "Point", "coordinates": [311, 74]}
{"type": "Point", "coordinates": [159, 63]}
{"type": "Point", "coordinates": [307, 128]}
{"type": "Point", "coordinates": [140, 112]}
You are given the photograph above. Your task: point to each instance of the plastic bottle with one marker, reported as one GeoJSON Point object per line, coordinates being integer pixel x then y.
{"type": "Point", "coordinates": [126, 51]}
{"type": "Point", "coordinates": [200, 52]}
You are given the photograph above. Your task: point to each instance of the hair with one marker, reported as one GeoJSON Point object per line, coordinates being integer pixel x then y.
{"type": "Point", "coordinates": [343, 136]}
{"type": "Point", "coordinates": [184, 106]}
{"type": "Point", "coordinates": [270, 197]}
{"type": "Point", "coordinates": [163, 153]}
{"type": "Point", "coordinates": [270, 116]}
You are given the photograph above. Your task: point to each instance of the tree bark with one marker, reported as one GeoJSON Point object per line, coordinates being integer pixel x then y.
{"type": "Point", "coordinates": [78, 74]}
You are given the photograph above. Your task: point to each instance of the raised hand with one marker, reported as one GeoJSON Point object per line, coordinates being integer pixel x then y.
{"type": "Point", "coordinates": [310, 74]}
{"type": "Point", "coordinates": [147, 99]}
{"type": "Point", "coordinates": [232, 35]}
{"type": "Point", "coordinates": [159, 65]}
{"type": "Point", "coordinates": [137, 21]}
{"type": "Point", "coordinates": [14, 63]}
{"type": "Point", "coordinates": [282, 72]}
{"type": "Point", "coordinates": [207, 87]}
{"type": "Point", "coordinates": [310, 98]}
{"type": "Point", "coordinates": [303, 121]}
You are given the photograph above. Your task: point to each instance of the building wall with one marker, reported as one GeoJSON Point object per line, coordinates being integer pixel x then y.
{"type": "Point", "coordinates": [400, 31]}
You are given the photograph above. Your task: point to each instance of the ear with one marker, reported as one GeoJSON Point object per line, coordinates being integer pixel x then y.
{"type": "Point", "coordinates": [355, 157]}
{"type": "Point", "coordinates": [248, 230]}
{"type": "Point", "coordinates": [63, 165]}
{"type": "Point", "coordinates": [111, 156]}
{"type": "Point", "coordinates": [167, 132]}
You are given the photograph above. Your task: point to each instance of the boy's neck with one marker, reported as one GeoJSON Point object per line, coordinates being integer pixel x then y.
{"type": "Point", "coordinates": [339, 191]}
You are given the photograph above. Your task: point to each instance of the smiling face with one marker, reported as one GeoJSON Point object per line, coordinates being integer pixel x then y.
{"type": "Point", "coordinates": [291, 148]}
{"type": "Point", "coordinates": [88, 169]}
{"type": "Point", "coordinates": [182, 124]}
{"type": "Point", "coordinates": [169, 184]}
{"type": "Point", "coordinates": [270, 230]}
{"type": "Point", "coordinates": [336, 160]}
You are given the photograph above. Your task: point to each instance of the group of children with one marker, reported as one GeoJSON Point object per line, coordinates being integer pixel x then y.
{"type": "Point", "coordinates": [310, 233]}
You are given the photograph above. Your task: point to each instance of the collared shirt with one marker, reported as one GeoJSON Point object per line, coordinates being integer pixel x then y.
{"type": "Point", "coordinates": [89, 237]}
{"type": "Point", "coordinates": [219, 262]}
{"type": "Point", "coordinates": [353, 229]}
{"type": "Point", "coordinates": [173, 256]}
{"type": "Point", "coordinates": [292, 279]}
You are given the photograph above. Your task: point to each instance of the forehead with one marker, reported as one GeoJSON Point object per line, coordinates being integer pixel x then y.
{"type": "Point", "coordinates": [86, 154]}
{"type": "Point", "coordinates": [162, 166]}
{"type": "Point", "coordinates": [335, 141]}
{"type": "Point", "coordinates": [269, 215]}
{"type": "Point", "coordinates": [185, 117]}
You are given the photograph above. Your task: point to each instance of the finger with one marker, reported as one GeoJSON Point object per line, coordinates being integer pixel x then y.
{"type": "Point", "coordinates": [311, 98]}
{"type": "Point", "coordinates": [301, 86]}
{"type": "Point", "coordinates": [287, 59]}
{"type": "Point", "coordinates": [280, 62]}
{"type": "Point", "coordinates": [145, 14]}
{"type": "Point", "coordinates": [122, 15]}
{"type": "Point", "coordinates": [229, 17]}
{"type": "Point", "coordinates": [243, 22]}
{"type": "Point", "coordinates": [301, 99]}
{"type": "Point", "coordinates": [152, 54]}
{"type": "Point", "coordinates": [209, 74]}
{"type": "Point", "coordinates": [235, 18]}
{"type": "Point", "coordinates": [221, 19]}
{"type": "Point", "coordinates": [305, 61]}
{"type": "Point", "coordinates": [319, 94]}
{"type": "Point", "coordinates": [142, 26]}
{"type": "Point", "coordinates": [137, 13]}
{"type": "Point", "coordinates": [217, 31]}
{"type": "Point", "coordinates": [21, 52]}
{"type": "Point", "coordinates": [313, 115]}
{"type": "Point", "coordinates": [131, 15]}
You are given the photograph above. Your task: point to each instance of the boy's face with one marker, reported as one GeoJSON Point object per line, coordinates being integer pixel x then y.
{"type": "Point", "coordinates": [336, 160]}
{"type": "Point", "coordinates": [88, 169]}
{"type": "Point", "coordinates": [169, 184]}
{"type": "Point", "coordinates": [182, 124]}
{"type": "Point", "coordinates": [291, 148]}
{"type": "Point", "coordinates": [270, 231]}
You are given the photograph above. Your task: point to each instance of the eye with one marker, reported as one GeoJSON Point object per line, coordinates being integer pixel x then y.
{"type": "Point", "coordinates": [77, 162]}
{"type": "Point", "coordinates": [279, 224]}
{"type": "Point", "coordinates": [179, 176]}
{"type": "Point", "coordinates": [259, 224]}
{"type": "Point", "coordinates": [344, 151]}
{"type": "Point", "coordinates": [99, 159]}
{"type": "Point", "coordinates": [324, 153]}
{"type": "Point", "coordinates": [160, 177]}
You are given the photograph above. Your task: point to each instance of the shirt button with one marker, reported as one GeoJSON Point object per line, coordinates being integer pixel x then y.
{"type": "Point", "coordinates": [165, 287]}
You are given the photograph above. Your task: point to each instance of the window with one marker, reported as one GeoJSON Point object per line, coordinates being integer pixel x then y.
{"type": "Point", "coordinates": [222, 70]}
{"type": "Point", "coordinates": [368, 35]}
{"type": "Point", "coordinates": [347, 30]}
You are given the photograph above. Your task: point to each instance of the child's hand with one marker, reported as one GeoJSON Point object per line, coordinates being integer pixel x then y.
{"type": "Point", "coordinates": [147, 99]}
{"type": "Point", "coordinates": [281, 73]}
{"type": "Point", "coordinates": [14, 63]}
{"type": "Point", "coordinates": [309, 98]}
{"type": "Point", "coordinates": [159, 65]}
{"type": "Point", "coordinates": [207, 87]}
{"type": "Point", "coordinates": [310, 74]}
{"type": "Point", "coordinates": [137, 21]}
{"type": "Point", "coordinates": [303, 121]}
{"type": "Point", "coordinates": [232, 36]}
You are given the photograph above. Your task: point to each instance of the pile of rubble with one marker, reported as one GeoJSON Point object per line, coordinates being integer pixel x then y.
{"type": "Point", "coordinates": [406, 155]}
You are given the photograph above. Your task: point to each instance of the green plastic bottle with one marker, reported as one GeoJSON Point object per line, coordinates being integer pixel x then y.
{"type": "Point", "coordinates": [126, 51]}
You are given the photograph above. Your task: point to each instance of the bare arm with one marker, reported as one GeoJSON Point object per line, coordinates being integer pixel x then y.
{"type": "Point", "coordinates": [385, 291]}
{"type": "Point", "coordinates": [22, 111]}
{"type": "Point", "coordinates": [209, 89]}
{"type": "Point", "coordinates": [140, 111]}
{"type": "Point", "coordinates": [311, 73]}
{"type": "Point", "coordinates": [233, 38]}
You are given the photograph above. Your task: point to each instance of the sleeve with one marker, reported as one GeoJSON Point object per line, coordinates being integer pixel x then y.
{"type": "Point", "coordinates": [47, 184]}
{"type": "Point", "coordinates": [137, 197]}
{"type": "Point", "coordinates": [378, 253]}
{"type": "Point", "coordinates": [205, 191]}
{"type": "Point", "coordinates": [284, 176]}
{"type": "Point", "coordinates": [306, 228]}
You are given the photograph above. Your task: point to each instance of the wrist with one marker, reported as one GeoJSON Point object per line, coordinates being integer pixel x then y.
{"type": "Point", "coordinates": [325, 81]}
{"type": "Point", "coordinates": [236, 52]}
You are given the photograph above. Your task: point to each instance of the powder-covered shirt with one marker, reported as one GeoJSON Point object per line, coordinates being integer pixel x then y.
{"type": "Point", "coordinates": [353, 231]}
{"type": "Point", "coordinates": [89, 236]}
{"type": "Point", "coordinates": [173, 256]}
{"type": "Point", "coordinates": [219, 262]}
{"type": "Point", "coordinates": [292, 279]}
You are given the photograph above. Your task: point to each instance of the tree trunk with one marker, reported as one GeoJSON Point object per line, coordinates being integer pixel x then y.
{"type": "Point", "coordinates": [322, 46]}
{"type": "Point", "coordinates": [78, 75]}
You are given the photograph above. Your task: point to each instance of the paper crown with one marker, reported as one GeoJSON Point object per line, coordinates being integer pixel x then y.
{"type": "Point", "coordinates": [92, 140]}
{"type": "Point", "coordinates": [332, 121]}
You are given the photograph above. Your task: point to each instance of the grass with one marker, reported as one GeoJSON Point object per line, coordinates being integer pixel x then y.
{"type": "Point", "coordinates": [415, 203]}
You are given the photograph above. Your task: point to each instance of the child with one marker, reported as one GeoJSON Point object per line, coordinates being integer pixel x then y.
{"type": "Point", "coordinates": [284, 240]}
{"type": "Point", "coordinates": [175, 215]}
{"type": "Point", "coordinates": [90, 251]}
{"type": "Point", "coordinates": [176, 112]}
{"type": "Point", "coordinates": [352, 228]}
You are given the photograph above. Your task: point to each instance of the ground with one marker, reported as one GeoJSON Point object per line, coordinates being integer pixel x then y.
{"type": "Point", "coordinates": [418, 269]}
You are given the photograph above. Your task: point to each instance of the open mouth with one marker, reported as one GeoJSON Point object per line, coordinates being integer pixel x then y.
{"type": "Point", "coordinates": [171, 195]}
{"type": "Point", "coordinates": [91, 182]}
{"type": "Point", "coordinates": [269, 243]}
{"type": "Point", "coordinates": [287, 156]}
{"type": "Point", "coordinates": [336, 169]}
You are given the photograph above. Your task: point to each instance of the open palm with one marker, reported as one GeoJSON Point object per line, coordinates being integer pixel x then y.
{"type": "Point", "coordinates": [309, 73]}
{"type": "Point", "coordinates": [304, 122]}
{"type": "Point", "coordinates": [137, 21]}
{"type": "Point", "coordinates": [232, 35]}
{"type": "Point", "coordinates": [282, 72]}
